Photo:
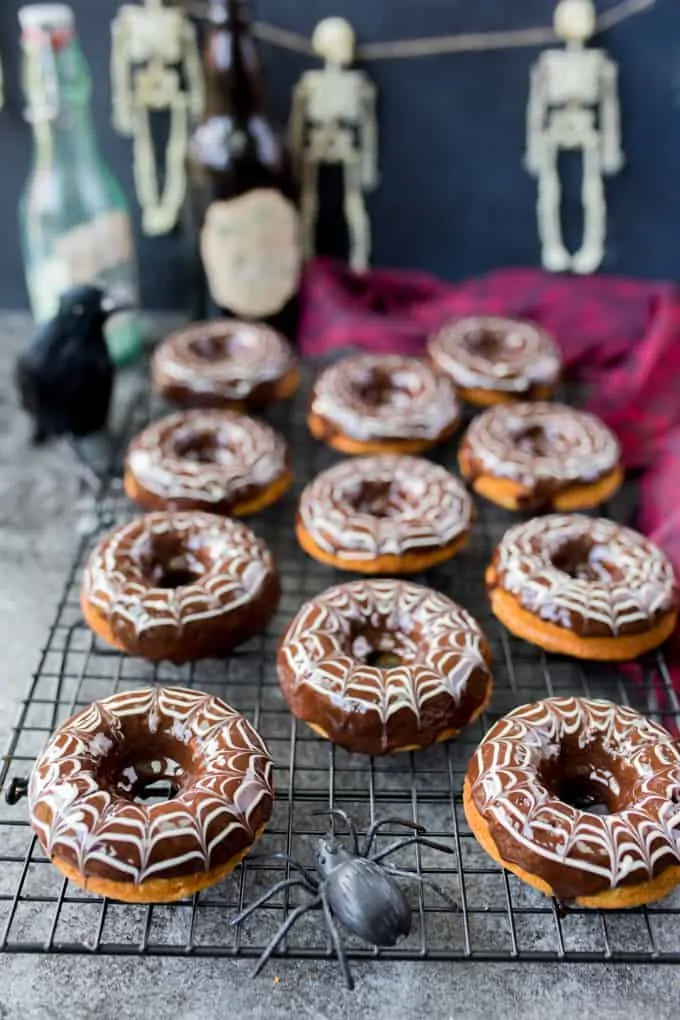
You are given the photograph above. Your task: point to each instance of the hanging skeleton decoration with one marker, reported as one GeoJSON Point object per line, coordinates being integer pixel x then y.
{"type": "Point", "coordinates": [333, 122]}
{"type": "Point", "coordinates": [156, 67]}
{"type": "Point", "coordinates": [573, 106]}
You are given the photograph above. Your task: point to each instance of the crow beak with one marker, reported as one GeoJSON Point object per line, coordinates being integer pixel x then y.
{"type": "Point", "coordinates": [110, 306]}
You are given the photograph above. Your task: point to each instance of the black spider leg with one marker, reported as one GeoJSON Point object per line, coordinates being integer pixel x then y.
{"type": "Point", "coordinates": [423, 880]}
{"type": "Point", "coordinates": [283, 930]}
{"type": "Point", "coordinates": [285, 883]}
{"type": "Point", "coordinates": [373, 831]}
{"type": "Point", "coordinates": [336, 940]}
{"type": "Point", "coordinates": [339, 813]}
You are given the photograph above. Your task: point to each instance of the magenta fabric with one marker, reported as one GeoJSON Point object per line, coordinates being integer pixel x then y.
{"type": "Point", "coordinates": [622, 336]}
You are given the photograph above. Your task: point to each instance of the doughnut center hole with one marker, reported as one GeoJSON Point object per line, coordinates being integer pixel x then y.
{"type": "Point", "coordinates": [586, 560]}
{"type": "Point", "coordinates": [203, 448]}
{"type": "Point", "coordinates": [141, 776]}
{"type": "Point", "coordinates": [534, 440]}
{"type": "Point", "coordinates": [212, 348]}
{"type": "Point", "coordinates": [381, 648]}
{"type": "Point", "coordinates": [379, 499]}
{"type": "Point", "coordinates": [168, 563]}
{"type": "Point", "coordinates": [385, 389]}
{"type": "Point", "coordinates": [590, 778]}
{"type": "Point", "coordinates": [487, 343]}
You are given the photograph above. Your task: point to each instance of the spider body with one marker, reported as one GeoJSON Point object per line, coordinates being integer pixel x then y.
{"type": "Point", "coordinates": [353, 887]}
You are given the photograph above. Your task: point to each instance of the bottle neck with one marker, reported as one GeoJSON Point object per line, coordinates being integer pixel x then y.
{"type": "Point", "coordinates": [233, 76]}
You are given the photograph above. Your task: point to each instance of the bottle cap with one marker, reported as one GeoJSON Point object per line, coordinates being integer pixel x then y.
{"type": "Point", "coordinates": [45, 16]}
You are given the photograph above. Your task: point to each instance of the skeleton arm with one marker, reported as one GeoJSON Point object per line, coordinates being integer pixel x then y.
{"type": "Point", "coordinates": [613, 158]}
{"type": "Point", "coordinates": [297, 124]}
{"type": "Point", "coordinates": [121, 77]}
{"type": "Point", "coordinates": [369, 137]}
{"type": "Point", "coordinates": [193, 70]}
{"type": "Point", "coordinates": [536, 110]}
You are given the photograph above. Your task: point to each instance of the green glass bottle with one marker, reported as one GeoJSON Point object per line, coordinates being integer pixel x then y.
{"type": "Point", "coordinates": [74, 218]}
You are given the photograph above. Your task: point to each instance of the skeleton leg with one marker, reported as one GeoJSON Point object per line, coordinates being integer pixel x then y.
{"type": "Point", "coordinates": [410, 841]}
{"type": "Point", "coordinates": [286, 883]}
{"type": "Point", "coordinates": [357, 219]}
{"type": "Point", "coordinates": [373, 831]}
{"type": "Point", "coordinates": [309, 207]}
{"type": "Point", "coordinates": [423, 880]}
{"type": "Point", "coordinates": [283, 930]}
{"type": "Point", "coordinates": [337, 942]}
{"type": "Point", "coordinates": [554, 255]}
{"type": "Point", "coordinates": [591, 253]}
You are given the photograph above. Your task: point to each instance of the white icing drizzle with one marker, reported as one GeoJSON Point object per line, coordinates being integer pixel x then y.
{"type": "Point", "coordinates": [523, 355]}
{"type": "Point", "coordinates": [428, 507]}
{"type": "Point", "coordinates": [422, 404]}
{"type": "Point", "coordinates": [248, 454]}
{"type": "Point", "coordinates": [628, 583]}
{"type": "Point", "coordinates": [576, 445]}
{"type": "Point", "coordinates": [254, 354]}
{"type": "Point", "coordinates": [439, 643]}
{"type": "Point", "coordinates": [114, 581]}
{"type": "Point", "coordinates": [98, 828]}
{"type": "Point", "coordinates": [640, 840]}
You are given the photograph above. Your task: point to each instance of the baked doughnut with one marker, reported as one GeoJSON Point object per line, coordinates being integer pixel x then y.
{"type": "Point", "coordinates": [492, 360]}
{"type": "Point", "coordinates": [384, 515]}
{"type": "Point", "coordinates": [213, 460]}
{"type": "Point", "coordinates": [583, 587]}
{"type": "Point", "coordinates": [85, 791]}
{"type": "Point", "coordinates": [533, 778]}
{"type": "Point", "coordinates": [373, 403]}
{"type": "Point", "coordinates": [541, 456]}
{"type": "Point", "coordinates": [179, 586]}
{"type": "Point", "coordinates": [379, 666]}
{"type": "Point", "coordinates": [225, 363]}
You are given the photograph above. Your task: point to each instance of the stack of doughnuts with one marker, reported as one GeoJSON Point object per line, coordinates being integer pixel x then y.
{"type": "Point", "coordinates": [378, 664]}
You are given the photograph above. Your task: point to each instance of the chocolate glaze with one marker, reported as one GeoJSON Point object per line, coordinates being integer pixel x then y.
{"type": "Point", "coordinates": [83, 786]}
{"type": "Point", "coordinates": [222, 363]}
{"type": "Point", "coordinates": [589, 751]}
{"type": "Point", "coordinates": [544, 447]}
{"type": "Point", "coordinates": [205, 460]}
{"type": "Point", "coordinates": [498, 354]}
{"type": "Point", "coordinates": [384, 506]}
{"type": "Point", "coordinates": [374, 397]}
{"type": "Point", "coordinates": [181, 586]}
{"type": "Point", "coordinates": [590, 576]}
{"type": "Point", "coordinates": [333, 665]}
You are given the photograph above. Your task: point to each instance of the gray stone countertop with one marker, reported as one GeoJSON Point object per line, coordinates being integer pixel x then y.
{"type": "Point", "coordinates": [38, 495]}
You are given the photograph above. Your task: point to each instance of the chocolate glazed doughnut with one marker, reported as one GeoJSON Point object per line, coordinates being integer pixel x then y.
{"type": "Point", "coordinates": [541, 456]}
{"type": "Point", "coordinates": [583, 587]}
{"type": "Point", "coordinates": [382, 404]}
{"type": "Point", "coordinates": [384, 515]}
{"type": "Point", "coordinates": [381, 666]}
{"type": "Point", "coordinates": [84, 790]}
{"type": "Point", "coordinates": [180, 586]}
{"type": "Point", "coordinates": [226, 363]}
{"type": "Point", "coordinates": [536, 774]}
{"type": "Point", "coordinates": [492, 360]}
{"type": "Point", "coordinates": [219, 461]}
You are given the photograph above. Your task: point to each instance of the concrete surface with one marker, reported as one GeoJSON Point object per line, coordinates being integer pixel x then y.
{"type": "Point", "coordinates": [38, 495]}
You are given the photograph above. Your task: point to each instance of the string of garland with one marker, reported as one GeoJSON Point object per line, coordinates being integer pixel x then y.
{"type": "Point", "coordinates": [465, 42]}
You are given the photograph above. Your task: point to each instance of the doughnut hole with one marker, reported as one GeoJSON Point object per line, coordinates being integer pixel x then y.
{"type": "Point", "coordinates": [589, 778]}
{"type": "Point", "coordinates": [209, 446]}
{"type": "Point", "coordinates": [378, 643]}
{"type": "Point", "coordinates": [488, 342]}
{"type": "Point", "coordinates": [144, 767]}
{"type": "Point", "coordinates": [586, 560]}
{"type": "Point", "coordinates": [168, 562]}
{"type": "Point", "coordinates": [386, 499]}
{"type": "Point", "coordinates": [379, 389]}
{"type": "Point", "coordinates": [535, 440]}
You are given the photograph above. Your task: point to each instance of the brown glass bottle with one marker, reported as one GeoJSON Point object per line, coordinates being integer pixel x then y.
{"type": "Point", "coordinates": [242, 216]}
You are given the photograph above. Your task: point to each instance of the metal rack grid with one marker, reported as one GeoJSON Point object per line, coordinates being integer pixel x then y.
{"type": "Point", "coordinates": [498, 918]}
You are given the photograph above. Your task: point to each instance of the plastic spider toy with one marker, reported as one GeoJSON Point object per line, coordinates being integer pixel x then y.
{"type": "Point", "coordinates": [353, 887]}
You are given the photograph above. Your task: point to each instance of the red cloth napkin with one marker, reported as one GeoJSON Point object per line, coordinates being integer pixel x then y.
{"type": "Point", "coordinates": [622, 336]}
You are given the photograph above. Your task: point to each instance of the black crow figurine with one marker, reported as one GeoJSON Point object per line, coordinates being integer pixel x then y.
{"type": "Point", "coordinates": [65, 375]}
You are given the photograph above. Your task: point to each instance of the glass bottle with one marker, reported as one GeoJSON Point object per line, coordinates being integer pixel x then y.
{"type": "Point", "coordinates": [74, 219]}
{"type": "Point", "coordinates": [243, 221]}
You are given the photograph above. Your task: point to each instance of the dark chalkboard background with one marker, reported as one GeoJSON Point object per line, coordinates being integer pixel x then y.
{"type": "Point", "coordinates": [454, 198]}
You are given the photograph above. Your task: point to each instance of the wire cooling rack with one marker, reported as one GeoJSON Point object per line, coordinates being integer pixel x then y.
{"type": "Point", "coordinates": [498, 918]}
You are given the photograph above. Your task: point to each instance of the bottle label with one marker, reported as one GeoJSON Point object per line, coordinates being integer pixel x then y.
{"type": "Point", "coordinates": [98, 251]}
{"type": "Point", "coordinates": [250, 248]}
